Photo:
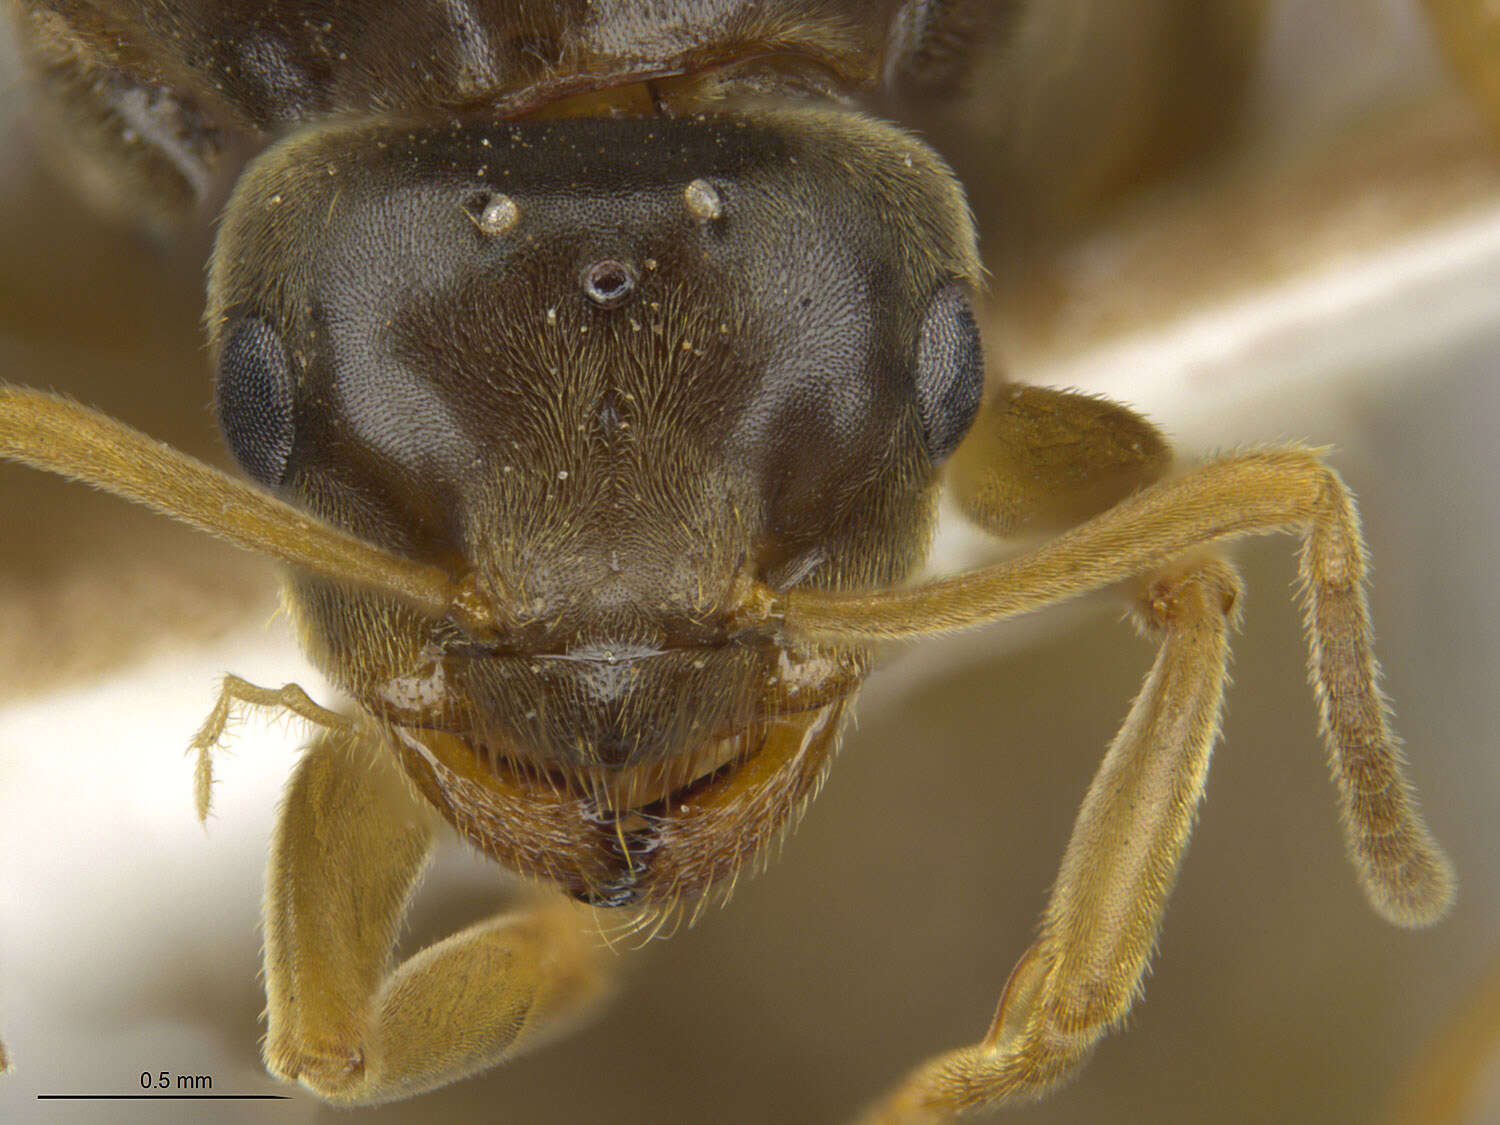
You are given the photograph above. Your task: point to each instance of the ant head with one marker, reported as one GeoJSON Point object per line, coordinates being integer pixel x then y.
{"type": "Point", "coordinates": [613, 369]}
{"type": "Point", "coordinates": [484, 340]}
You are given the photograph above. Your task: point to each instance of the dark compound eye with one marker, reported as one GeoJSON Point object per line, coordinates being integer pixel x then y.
{"type": "Point", "coordinates": [254, 394]}
{"type": "Point", "coordinates": [950, 371]}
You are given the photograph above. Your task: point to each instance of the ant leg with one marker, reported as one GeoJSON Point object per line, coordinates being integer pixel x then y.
{"type": "Point", "coordinates": [348, 850]}
{"type": "Point", "coordinates": [350, 845]}
{"type": "Point", "coordinates": [1469, 33]}
{"type": "Point", "coordinates": [1039, 459]}
{"type": "Point", "coordinates": [1403, 871]}
{"type": "Point", "coordinates": [1085, 970]}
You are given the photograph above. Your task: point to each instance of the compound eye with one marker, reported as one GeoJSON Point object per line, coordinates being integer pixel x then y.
{"type": "Point", "coordinates": [950, 371]}
{"type": "Point", "coordinates": [253, 394]}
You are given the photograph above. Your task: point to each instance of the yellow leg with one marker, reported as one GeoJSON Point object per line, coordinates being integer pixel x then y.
{"type": "Point", "coordinates": [1405, 874]}
{"type": "Point", "coordinates": [1085, 970]}
{"type": "Point", "coordinates": [348, 851]}
{"type": "Point", "coordinates": [1039, 459]}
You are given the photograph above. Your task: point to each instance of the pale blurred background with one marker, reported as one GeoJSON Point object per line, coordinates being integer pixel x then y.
{"type": "Point", "coordinates": [1329, 271]}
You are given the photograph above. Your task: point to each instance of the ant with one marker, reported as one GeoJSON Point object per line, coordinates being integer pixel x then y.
{"type": "Point", "coordinates": [595, 376]}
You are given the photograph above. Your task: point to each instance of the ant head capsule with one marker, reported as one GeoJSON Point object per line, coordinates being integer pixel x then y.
{"type": "Point", "coordinates": [769, 391]}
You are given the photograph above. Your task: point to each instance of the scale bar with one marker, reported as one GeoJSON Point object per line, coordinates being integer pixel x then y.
{"type": "Point", "coordinates": [163, 1097]}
